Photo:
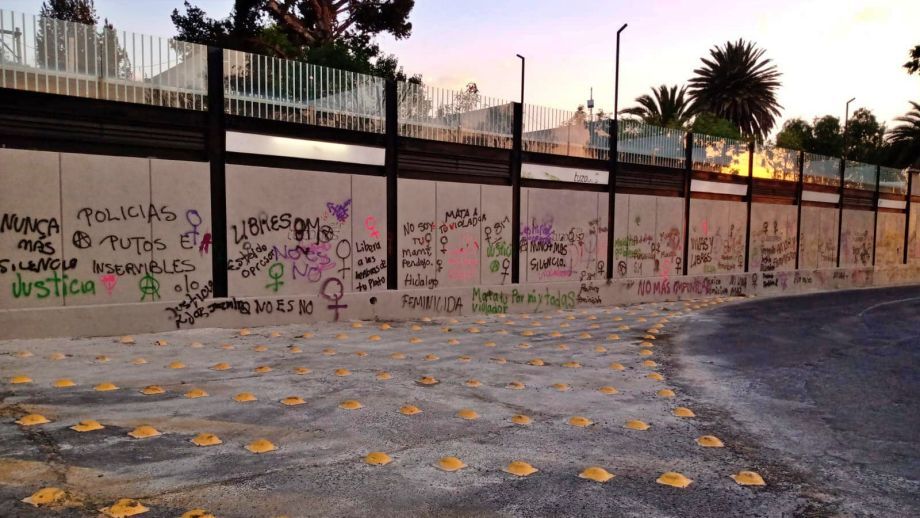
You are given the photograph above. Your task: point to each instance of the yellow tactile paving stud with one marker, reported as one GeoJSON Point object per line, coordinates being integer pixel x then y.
{"type": "Point", "coordinates": [302, 370]}
{"type": "Point", "coordinates": [398, 356]}
{"type": "Point", "coordinates": [144, 432]}
{"type": "Point", "coordinates": [46, 496]}
{"type": "Point", "coordinates": [617, 366]}
{"type": "Point", "coordinates": [520, 468]}
{"type": "Point", "coordinates": [105, 387]}
{"type": "Point", "coordinates": [464, 358]}
{"type": "Point", "coordinates": [32, 420]}
{"type": "Point", "coordinates": [196, 393]}
{"type": "Point", "coordinates": [521, 419]}
{"type": "Point", "coordinates": [152, 390]}
{"type": "Point", "coordinates": [473, 383]}
{"type": "Point", "coordinates": [377, 458]}
{"type": "Point", "coordinates": [415, 327]}
{"type": "Point", "coordinates": [176, 365]}
{"type": "Point", "coordinates": [600, 349]}
{"type": "Point", "coordinates": [655, 376]}
{"type": "Point", "coordinates": [197, 513]}
{"type": "Point", "coordinates": [123, 508]}
{"type": "Point", "coordinates": [649, 337]}
{"type": "Point", "coordinates": [673, 479]}
{"type": "Point", "coordinates": [262, 369]}
{"type": "Point", "coordinates": [584, 335]}
{"type": "Point", "coordinates": [127, 340]}
{"type": "Point", "coordinates": [385, 326]}
{"type": "Point", "coordinates": [161, 343]}
{"type": "Point", "coordinates": [409, 410]}
{"type": "Point", "coordinates": [597, 474]}
{"type": "Point", "coordinates": [293, 401]}
{"type": "Point", "coordinates": [329, 351]}
{"type": "Point", "coordinates": [636, 424]}
{"type": "Point", "coordinates": [489, 343]}
{"type": "Point", "coordinates": [668, 393]}
{"type": "Point", "coordinates": [260, 348]}
{"type": "Point", "coordinates": [683, 412]}
{"type": "Point", "coordinates": [555, 334]}
{"type": "Point", "coordinates": [453, 341]}
{"type": "Point", "coordinates": [649, 363]}
{"type": "Point", "coordinates": [220, 366]}
{"type": "Point", "coordinates": [427, 380]}
{"type": "Point", "coordinates": [646, 352]}
{"type": "Point", "coordinates": [450, 464]}
{"type": "Point", "coordinates": [646, 344]}
{"type": "Point", "coordinates": [261, 446]}
{"type": "Point", "coordinates": [607, 389]}
{"type": "Point", "coordinates": [294, 349]}
{"type": "Point", "coordinates": [20, 380]}
{"type": "Point", "coordinates": [102, 359]}
{"type": "Point", "coordinates": [710, 441]}
{"type": "Point", "coordinates": [341, 336]}
{"type": "Point", "coordinates": [374, 338]}
{"type": "Point", "coordinates": [196, 345]}
{"type": "Point", "coordinates": [572, 365]}
{"type": "Point", "coordinates": [206, 439]}
{"type": "Point", "coordinates": [748, 478]}
{"type": "Point", "coordinates": [467, 413]}
{"type": "Point", "coordinates": [357, 325]}
{"type": "Point", "coordinates": [244, 397]}
{"type": "Point", "coordinates": [431, 357]}
{"type": "Point", "coordinates": [501, 360]}
{"type": "Point", "coordinates": [528, 332]}
{"type": "Point", "coordinates": [580, 421]}
{"type": "Point", "coordinates": [245, 332]}
{"type": "Point", "coordinates": [63, 383]}
{"type": "Point", "coordinates": [351, 404]}
{"type": "Point", "coordinates": [415, 340]}
{"type": "Point", "coordinates": [227, 347]}
{"type": "Point", "coordinates": [515, 385]}
{"type": "Point", "coordinates": [87, 425]}
{"type": "Point", "coordinates": [561, 387]}
{"type": "Point", "coordinates": [384, 375]}
{"type": "Point", "coordinates": [360, 354]}
{"type": "Point", "coordinates": [139, 361]}
{"type": "Point", "coordinates": [536, 362]}
{"type": "Point", "coordinates": [563, 347]}
{"type": "Point", "coordinates": [307, 335]}
{"type": "Point", "coordinates": [56, 356]}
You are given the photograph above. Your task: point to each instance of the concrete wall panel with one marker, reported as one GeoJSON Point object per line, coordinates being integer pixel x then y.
{"type": "Point", "coordinates": [559, 235]}
{"type": "Point", "coordinates": [889, 245]}
{"type": "Point", "coordinates": [649, 241]}
{"type": "Point", "coordinates": [773, 240]}
{"type": "Point", "coordinates": [717, 230]}
{"type": "Point", "coordinates": [495, 267]}
{"type": "Point", "coordinates": [416, 216]}
{"type": "Point", "coordinates": [856, 238]}
{"type": "Point", "coordinates": [31, 239]}
{"type": "Point", "coordinates": [457, 233]}
{"type": "Point", "coordinates": [369, 245]}
{"type": "Point", "coordinates": [818, 238]}
{"type": "Point", "coordinates": [913, 239]}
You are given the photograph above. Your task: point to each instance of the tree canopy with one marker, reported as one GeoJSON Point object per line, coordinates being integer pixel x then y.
{"type": "Point", "coordinates": [913, 64]}
{"type": "Point", "coordinates": [669, 107]}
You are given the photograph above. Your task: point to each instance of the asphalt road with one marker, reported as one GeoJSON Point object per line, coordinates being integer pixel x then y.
{"type": "Point", "coordinates": [825, 387]}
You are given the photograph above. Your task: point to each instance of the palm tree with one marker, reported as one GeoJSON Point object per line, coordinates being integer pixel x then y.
{"type": "Point", "coordinates": [738, 85]}
{"type": "Point", "coordinates": [669, 108]}
{"type": "Point", "coordinates": [905, 138]}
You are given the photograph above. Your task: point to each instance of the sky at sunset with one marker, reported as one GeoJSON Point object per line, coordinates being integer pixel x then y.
{"type": "Point", "coordinates": [827, 50]}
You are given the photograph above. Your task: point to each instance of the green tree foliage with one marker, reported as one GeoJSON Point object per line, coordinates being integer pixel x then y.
{"type": "Point", "coordinates": [904, 138]}
{"type": "Point", "coordinates": [828, 136]}
{"type": "Point", "coordinates": [865, 137]}
{"type": "Point", "coordinates": [334, 33]}
{"type": "Point", "coordinates": [100, 52]}
{"type": "Point", "coordinates": [913, 64]}
{"type": "Point", "coordinates": [667, 106]}
{"type": "Point", "coordinates": [708, 124]}
{"type": "Point", "coordinates": [737, 84]}
{"type": "Point", "coordinates": [795, 134]}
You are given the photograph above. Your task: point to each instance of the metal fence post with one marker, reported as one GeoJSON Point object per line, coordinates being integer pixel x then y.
{"type": "Point", "coordinates": [750, 200]}
{"type": "Point", "coordinates": [217, 156]}
{"type": "Point", "coordinates": [612, 168]}
{"type": "Point", "coordinates": [875, 200]}
{"type": "Point", "coordinates": [688, 181]}
{"type": "Point", "coordinates": [800, 189]}
{"type": "Point", "coordinates": [391, 162]}
{"type": "Point", "coordinates": [843, 167]}
{"type": "Point", "coordinates": [910, 185]}
{"type": "Point", "coordinates": [516, 159]}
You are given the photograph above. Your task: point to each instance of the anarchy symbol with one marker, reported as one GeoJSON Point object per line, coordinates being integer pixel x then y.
{"type": "Point", "coordinates": [82, 240]}
{"type": "Point", "coordinates": [149, 287]}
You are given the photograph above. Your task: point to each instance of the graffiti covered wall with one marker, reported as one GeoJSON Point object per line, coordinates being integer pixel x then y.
{"type": "Point", "coordinates": [717, 229]}
{"type": "Point", "coordinates": [648, 233]}
{"type": "Point", "coordinates": [857, 231]}
{"type": "Point", "coordinates": [818, 238]}
{"type": "Point", "coordinates": [913, 239]}
{"type": "Point", "coordinates": [889, 246]}
{"type": "Point", "coordinates": [773, 240]}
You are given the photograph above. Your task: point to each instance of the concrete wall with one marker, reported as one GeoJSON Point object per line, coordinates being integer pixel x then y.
{"type": "Point", "coordinates": [856, 235]}
{"type": "Point", "coordinates": [913, 240]}
{"type": "Point", "coordinates": [818, 238]}
{"type": "Point", "coordinates": [648, 232]}
{"type": "Point", "coordinates": [889, 245]}
{"type": "Point", "coordinates": [773, 239]}
{"type": "Point", "coordinates": [717, 231]}
{"type": "Point", "coordinates": [563, 235]}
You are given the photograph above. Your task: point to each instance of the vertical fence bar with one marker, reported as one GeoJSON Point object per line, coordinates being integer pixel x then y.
{"type": "Point", "coordinates": [217, 156]}
{"type": "Point", "coordinates": [750, 201]}
{"type": "Point", "coordinates": [910, 185]}
{"type": "Point", "coordinates": [843, 167]}
{"type": "Point", "coordinates": [800, 189]}
{"type": "Point", "coordinates": [875, 200]}
{"type": "Point", "coordinates": [516, 158]}
{"type": "Point", "coordinates": [688, 181]}
{"type": "Point", "coordinates": [612, 168]}
{"type": "Point", "coordinates": [391, 164]}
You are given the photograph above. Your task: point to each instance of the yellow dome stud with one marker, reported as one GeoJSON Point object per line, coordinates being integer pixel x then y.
{"type": "Point", "coordinates": [161, 343]}
{"type": "Point", "coordinates": [20, 380]}
{"type": "Point", "coordinates": [377, 458]}
{"type": "Point", "coordinates": [351, 404]}
{"type": "Point", "coordinates": [655, 376]}
{"type": "Point", "coordinates": [300, 371]}
{"type": "Point", "coordinates": [613, 337]}
{"type": "Point", "coordinates": [473, 330]}
{"type": "Point", "coordinates": [521, 419]}
{"type": "Point", "coordinates": [261, 446]}
{"type": "Point", "coordinates": [196, 393]}
{"type": "Point", "coordinates": [645, 352]}
{"type": "Point", "coordinates": [415, 327]}
{"type": "Point", "coordinates": [153, 390]}
{"type": "Point", "coordinates": [123, 508]}
{"type": "Point", "coordinates": [453, 341]}
{"type": "Point", "coordinates": [197, 513]}
{"type": "Point", "coordinates": [489, 343]}
{"type": "Point", "coordinates": [176, 365]}
{"type": "Point", "coordinates": [244, 397]}
{"type": "Point", "coordinates": [138, 361]}
{"type": "Point", "coordinates": [748, 478]}
{"type": "Point", "coordinates": [144, 432]}
{"type": "Point", "coordinates": [63, 383]}
{"type": "Point", "coordinates": [341, 336]}
{"type": "Point", "coordinates": [464, 358]}
{"type": "Point", "coordinates": [572, 365]}
{"type": "Point", "coordinates": [427, 380]}
{"type": "Point", "coordinates": [527, 332]}
{"type": "Point", "coordinates": [555, 334]}
{"type": "Point", "coordinates": [260, 348]}
{"type": "Point", "coordinates": [342, 372]}
{"type": "Point", "coordinates": [356, 325]}
{"type": "Point", "coordinates": [524, 345]}
{"type": "Point", "coordinates": [536, 362]}
{"type": "Point", "coordinates": [473, 383]}
{"type": "Point", "coordinates": [262, 369]}
{"type": "Point", "coordinates": [398, 356]}
{"type": "Point", "coordinates": [501, 360]}
{"type": "Point", "coordinates": [329, 351]}
{"type": "Point", "coordinates": [515, 385]}
{"type": "Point", "coordinates": [635, 424]}
{"type": "Point", "coordinates": [710, 441]}
{"type": "Point", "coordinates": [245, 332]}
{"type": "Point", "coordinates": [597, 474]}
{"type": "Point", "coordinates": [46, 496]}
{"type": "Point", "coordinates": [450, 464]}
{"type": "Point", "coordinates": [668, 393]}
{"type": "Point", "coordinates": [617, 366]}
{"type": "Point", "coordinates": [674, 479]}
{"type": "Point", "coordinates": [608, 390]}
{"type": "Point", "coordinates": [227, 347]}
{"type": "Point", "coordinates": [520, 468]}
{"type": "Point", "coordinates": [88, 425]}
{"type": "Point", "coordinates": [584, 335]}
{"type": "Point", "coordinates": [127, 340]}
{"type": "Point", "coordinates": [562, 347]}
{"type": "Point", "coordinates": [32, 420]}
{"type": "Point", "coordinates": [220, 366]}
{"type": "Point", "coordinates": [102, 359]}
{"type": "Point", "coordinates": [600, 349]}
{"type": "Point", "coordinates": [646, 344]}
{"type": "Point", "coordinates": [294, 349]}
{"type": "Point", "coordinates": [415, 340]}
{"type": "Point", "coordinates": [360, 354]}
{"type": "Point", "coordinates": [293, 401]}
{"type": "Point", "coordinates": [374, 338]}
{"type": "Point", "coordinates": [105, 387]}
{"type": "Point", "coordinates": [561, 387]}
{"type": "Point", "coordinates": [56, 356]}
{"type": "Point", "coordinates": [196, 345]}
{"type": "Point", "coordinates": [683, 412]}
{"type": "Point", "coordinates": [307, 335]}
{"type": "Point", "coordinates": [580, 421]}
{"type": "Point", "coordinates": [431, 357]}
{"type": "Point", "coordinates": [384, 326]}
{"type": "Point", "coordinates": [384, 375]}
{"type": "Point", "coordinates": [649, 363]}
{"type": "Point", "coordinates": [206, 439]}
{"type": "Point", "coordinates": [409, 410]}
{"type": "Point", "coordinates": [468, 414]}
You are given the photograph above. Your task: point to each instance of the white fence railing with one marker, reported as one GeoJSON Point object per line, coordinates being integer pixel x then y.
{"type": "Point", "coordinates": [460, 116]}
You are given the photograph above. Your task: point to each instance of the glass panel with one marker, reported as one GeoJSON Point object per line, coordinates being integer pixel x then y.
{"type": "Point", "coordinates": [822, 170]}
{"type": "Point", "coordinates": [460, 116]}
{"type": "Point", "coordinates": [641, 143]}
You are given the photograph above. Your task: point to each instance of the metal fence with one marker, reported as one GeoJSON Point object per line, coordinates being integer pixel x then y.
{"type": "Point", "coordinates": [859, 175]}
{"type": "Point", "coordinates": [719, 154]}
{"type": "Point", "coordinates": [775, 163]}
{"type": "Point", "coordinates": [293, 91]}
{"type": "Point", "coordinates": [565, 132]}
{"type": "Point", "coordinates": [460, 116]}
{"type": "Point", "coordinates": [821, 170]}
{"type": "Point", "coordinates": [641, 143]}
{"type": "Point", "coordinates": [893, 180]}
{"type": "Point", "coordinates": [55, 56]}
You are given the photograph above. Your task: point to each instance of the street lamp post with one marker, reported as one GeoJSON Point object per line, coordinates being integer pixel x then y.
{"type": "Point", "coordinates": [613, 158]}
{"type": "Point", "coordinates": [843, 168]}
{"type": "Point", "coordinates": [522, 76]}
{"type": "Point", "coordinates": [846, 124]}
{"type": "Point", "coordinates": [616, 79]}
